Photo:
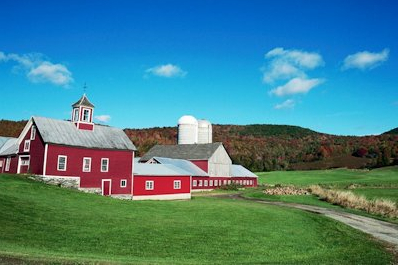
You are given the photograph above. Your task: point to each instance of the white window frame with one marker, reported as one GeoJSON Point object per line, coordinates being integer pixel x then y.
{"type": "Point", "coordinates": [206, 183]}
{"type": "Point", "coordinates": [200, 183]}
{"type": "Point", "coordinates": [8, 162]}
{"type": "Point", "coordinates": [1, 163]}
{"type": "Point", "coordinates": [225, 182]}
{"type": "Point", "coordinates": [211, 183]}
{"type": "Point", "coordinates": [177, 184]}
{"type": "Point", "coordinates": [88, 115]}
{"type": "Point", "coordinates": [107, 164]}
{"type": "Point", "coordinates": [194, 183]}
{"type": "Point", "coordinates": [123, 183]}
{"type": "Point", "coordinates": [84, 165]}
{"type": "Point", "coordinates": [65, 164]}
{"type": "Point", "coordinates": [33, 133]}
{"type": "Point", "coordinates": [216, 182]}
{"type": "Point", "coordinates": [76, 114]}
{"type": "Point", "coordinates": [149, 185]}
{"type": "Point", "coordinates": [26, 146]}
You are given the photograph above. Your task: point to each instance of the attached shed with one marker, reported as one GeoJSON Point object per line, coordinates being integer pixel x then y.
{"type": "Point", "coordinates": [8, 155]}
{"type": "Point", "coordinates": [160, 182]}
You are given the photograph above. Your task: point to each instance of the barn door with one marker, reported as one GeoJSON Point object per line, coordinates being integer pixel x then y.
{"type": "Point", "coordinates": [106, 187]}
{"type": "Point", "coordinates": [23, 164]}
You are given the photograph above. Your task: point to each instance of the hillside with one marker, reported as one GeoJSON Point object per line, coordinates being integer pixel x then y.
{"type": "Point", "coordinates": [35, 230]}
{"type": "Point", "coordinates": [393, 131]}
{"type": "Point", "coordinates": [273, 147]}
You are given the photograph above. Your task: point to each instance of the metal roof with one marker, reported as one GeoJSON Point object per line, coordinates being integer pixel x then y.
{"type": "Point", "coordinates": [240, 171]}
{"type": "Point", "coordinates": [8, 146]}
{"type": "Point", "coordinates": [183, 164]}
{"type": "Point", "coordinates": [83, 101]}
{"type": "Point", "coordinates": [158, 170]}
{"type": "Point", "coordinates": [183, 151]}
{"type": "Point", "coordinates": [65, 133]}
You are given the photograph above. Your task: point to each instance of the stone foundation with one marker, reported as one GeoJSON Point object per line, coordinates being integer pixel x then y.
{"type": "Point", "coordinates": [65, 182]}
{"type": "Point", "coordinates": [122, 196]}
{"type": "Point", "coordinates": [91, 190]}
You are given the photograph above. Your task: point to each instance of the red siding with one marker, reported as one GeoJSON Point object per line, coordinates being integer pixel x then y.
{"type": "Point", "coordinates": [13, 165]}
{"type": "Point", "coordinates": [36, 152]}
{"type": "Point", "coordinates": [162, 185]}
{"type": "Point", "coordinates": [202, 164]}
{"type": "Point", "coordinates": [120, 166]}
{"type": "Point", "coordinates": [85, 126]}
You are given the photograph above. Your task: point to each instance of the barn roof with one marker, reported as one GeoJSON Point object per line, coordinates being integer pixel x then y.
{"type": "Point", "coordinates": [183, 164]}
{"type": "Point", "coordinates": [158, 170]}
{"type": "Point", "coordinates": [65, 133]}
{"type": "Point", "coordinates": [240, 171]}
{"type": "Point", "coordinates": [8, 146]}
{"type": "Point", "coordinates": [183, 151]}
{"type": "Point", "coordinates": [83, 101]}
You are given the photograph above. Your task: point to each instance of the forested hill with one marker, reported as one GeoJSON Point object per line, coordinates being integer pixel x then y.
{"type": "Point", "coordinates": [393, 131]}
{"type": "Point", "coordinates": [273, 147]}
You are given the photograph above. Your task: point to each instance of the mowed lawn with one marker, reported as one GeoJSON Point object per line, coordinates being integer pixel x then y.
{"type": "Point", "coordinates": [336, 177]}
{"type": "Point", "coordinates": [377, 193]}
{"type": "Point", "coordinates": [55, 224]}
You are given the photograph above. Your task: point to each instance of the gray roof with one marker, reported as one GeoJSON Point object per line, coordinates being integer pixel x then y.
{"type": "Point", "coordinates": [158, 170]}
{"type": "Point", "coordinates": [66, 133]}
{"type": "Point", "coordinates": [83, 101]}
{"type": "Point", "coordinates": [240, 171]}
{"type": "Point", "coordinates": [183, 164]}
{"type": "Point", "coordinates": [183, 151]}
{"type": "Point", "coordinates": [8, 146]}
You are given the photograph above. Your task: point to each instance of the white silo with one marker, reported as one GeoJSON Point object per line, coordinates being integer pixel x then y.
{"type": "Point", "coordinates": [205, 133]}
{"type": "Point", "coordinates": [187, 130]}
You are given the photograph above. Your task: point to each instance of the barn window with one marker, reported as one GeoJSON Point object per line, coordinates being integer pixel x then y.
{"type": "Point", "coordinates": [86, 115]}
{"type": "Point", "coordinates": [211, 183]}
{"type": "Point", "coordinates": [206, 183]}
{"type": "Point", "coordinates": [200, 183]}
{"type": "Point", "coordinates": [149, 185]}
{"type": "Point", "coordinates": [177, 184]}
{"type": "Point", "coordinates": [104, 164]}
{"type": "Point", "coordinates": [62, 160]}
{"type": "Point", "coordinates": [86, 164]}
{"type": "Point", "coordinates": [26, 146]}
{"type": "Point", "coordinates": [195, 183]}
{"type": "Point", "coordinates": [75, 114]}
{"type": "Point", "coordinates": [1, 163]}
{"type": "Point", "coordinates": [123, 183]}
{"type": "Point", "coordinates": [33, 133]}
{"type": "Point", "coordinates": [229, 182]}
{"type": "Point", "coordinates": [216, 183]}
{"type": "Point", "coordinates": [8, 161]}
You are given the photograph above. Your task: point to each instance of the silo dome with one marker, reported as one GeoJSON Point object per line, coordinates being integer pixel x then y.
{"type": "Point", "coordinates": [205, 132]}
{"type": "Point", "coordinates": [187, 130]}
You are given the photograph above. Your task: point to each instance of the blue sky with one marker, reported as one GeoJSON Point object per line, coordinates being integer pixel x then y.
{"type": "Point", "coordinates": [326, 65]}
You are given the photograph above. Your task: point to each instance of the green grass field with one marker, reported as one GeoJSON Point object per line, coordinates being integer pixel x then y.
{"type": "Point", "coordinates": [375, 193]}
{"type": "Point", "coordinates": [386, 177]}
{"type": "Point", "coordinates": [47, 223]}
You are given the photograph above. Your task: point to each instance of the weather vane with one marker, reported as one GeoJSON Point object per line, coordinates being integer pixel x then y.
{"type": "Point", "coordinates": [84, 88]}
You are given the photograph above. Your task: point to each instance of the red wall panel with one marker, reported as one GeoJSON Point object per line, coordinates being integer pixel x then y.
{"type": "Point", "coordinates": [202, 164]}
{"type": "Point", "coordinates": [36, 152]}
{"type": "Point", "coordinates": [197, 187]}
{"type": "Point", "coordinates": [120, 166]}
{"type": "Point", "coordinates": [162, 185]}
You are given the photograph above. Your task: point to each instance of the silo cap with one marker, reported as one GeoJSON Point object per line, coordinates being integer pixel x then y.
{"type": "Point", "coordinates": [187, 119]}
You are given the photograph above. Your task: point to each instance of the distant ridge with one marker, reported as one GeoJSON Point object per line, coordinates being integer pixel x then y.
{"type": "Point", "coordinates": [264, 147]}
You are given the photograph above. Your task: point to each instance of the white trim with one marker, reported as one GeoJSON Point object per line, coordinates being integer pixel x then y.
{"type": "Point", "coordinates": [45, 159]}
{"type": "Point", "coordinates": [66, 162]}
{"type": "Point", "coordinates": [25, 131]}
{"type": "Point", "coordinates": [110, 186]}
{"type": "Point", "coordinates": [89, 164]}
{"type": "Point", "coordinates": [121, 183]}
{"type": "Point", "coordinates": [19, 163]}
{"type": "Point", "coordinates": [26, 143]}
{"type": "Point", "coordinates": [74, 119]}
{"type": "Point", "coordinates": [179, 184]}
{"type": "Point", "coordinates": [8, 163]}
{"type": "Point", "coordinates": [199, 190]}
{"type": "Point", "coordinates": [180, 196]}
{"type": "Point", "coordinates": [152, 185]}
{"type": "Point", "coordinates": [107, 164]}
{"type": "Point", "coordinates": [88, 116]}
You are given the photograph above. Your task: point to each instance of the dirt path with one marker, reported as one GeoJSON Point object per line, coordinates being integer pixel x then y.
{"type": "Point", "coordinates": [384, 231]}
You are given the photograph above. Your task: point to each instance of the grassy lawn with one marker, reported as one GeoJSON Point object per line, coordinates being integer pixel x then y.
{"type": "Point", "coordinates": [374, 193]}
{"type": "Point", "coordinates": [387, 177]}
{"type": "Point", "coordinates": [54, 224]}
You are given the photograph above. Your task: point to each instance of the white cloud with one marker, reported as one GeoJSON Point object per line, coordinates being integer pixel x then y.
{"type": "Point", "coordinates": [297, 85]}
{"type": "Point", "coordinates": [166, 70]}
{"type": "Point", "coordinates": [287, 104]}
{"type": "Point", "coordinates": [39, 70]}
{"type": "Point", "coordinates": [103, 118]}
{"type": "Point", "coordinates": [365, 60]}
{"type": "Point", "coordinates": [285, 64]}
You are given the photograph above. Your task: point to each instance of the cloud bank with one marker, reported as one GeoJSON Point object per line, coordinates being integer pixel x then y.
{"type": "Point", "coordinates": [365, 60]}
{"type": "Point", "coordinates": [103, 118]}
{"type": "Point", "coordinates": [166, 70]}
{"type": "Point", "coordinates": [39, 70]}
{"type": "Point", "coordinates": [288, 104]}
